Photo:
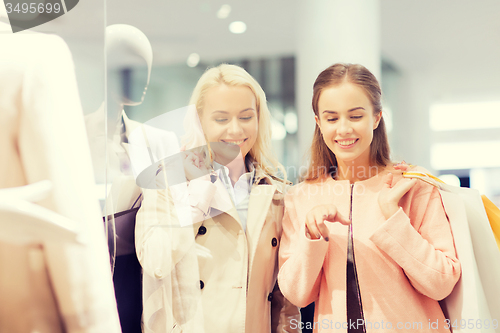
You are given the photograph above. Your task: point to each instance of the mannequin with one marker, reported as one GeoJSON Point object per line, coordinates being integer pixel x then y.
{"type": "Point", "coordinates": [109, 129]}
{"type": "Point", "coordinates": [50, 286]}
{"type": "Point", "coordinates": [126, 46]}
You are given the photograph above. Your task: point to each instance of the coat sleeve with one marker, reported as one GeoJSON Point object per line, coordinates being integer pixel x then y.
{"type": "Point", "coordinates": [167, 252]}
{"type": "Point", "coordinates": [418, 237]}
{"type": "Point", "coordinates": [300, 259]}
{"type": "Point", "coordinates": [166, 224]}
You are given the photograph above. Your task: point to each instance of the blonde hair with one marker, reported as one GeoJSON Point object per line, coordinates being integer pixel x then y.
{"type": "Point", "coordinates": [261, 154]}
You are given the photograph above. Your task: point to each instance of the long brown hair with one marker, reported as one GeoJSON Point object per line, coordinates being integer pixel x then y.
{"type": "Point", "coordinates": [323, 161]}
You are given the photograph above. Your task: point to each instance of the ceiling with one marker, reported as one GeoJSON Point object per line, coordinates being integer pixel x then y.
{"type": "Point", "coordinates": [456, 43]}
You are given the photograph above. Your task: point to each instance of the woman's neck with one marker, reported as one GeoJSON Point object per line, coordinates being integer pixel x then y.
{"type": "Point", "coordinates": [236, 168]}
{"type": "Point", "coordinates": [354, 172]}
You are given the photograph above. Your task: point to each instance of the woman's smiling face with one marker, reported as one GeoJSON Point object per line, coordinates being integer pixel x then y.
{"type": "Point", "coordinates": [230, 116]}
{"type": "Point", "coordinates": [346, 119]}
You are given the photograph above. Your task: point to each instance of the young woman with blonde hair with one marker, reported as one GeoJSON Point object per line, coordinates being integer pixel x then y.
{"type": "Point", "coordinates": [374, 251]}
{"type": "Point", "coordinates": [218, 274]}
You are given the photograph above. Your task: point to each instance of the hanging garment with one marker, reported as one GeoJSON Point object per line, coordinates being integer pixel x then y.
{"type": "Point", "coordinates": [127, 273]}
{"type": "Point", "coordinates": [42, 137]}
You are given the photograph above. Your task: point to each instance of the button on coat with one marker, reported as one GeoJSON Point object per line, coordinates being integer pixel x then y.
{"type": "Point", "coordinates": [202, 230]}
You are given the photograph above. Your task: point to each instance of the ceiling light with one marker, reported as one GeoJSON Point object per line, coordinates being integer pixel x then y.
{"type": "Point", "coordinates": [193, 60]}
{"type": "Point", "coordinates": [238, 27]}
{"type": "Point", "coordinates": [224, 11]}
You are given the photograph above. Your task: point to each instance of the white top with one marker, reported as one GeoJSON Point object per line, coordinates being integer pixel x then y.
{"type": "Point", "coordinates": [240, 193]}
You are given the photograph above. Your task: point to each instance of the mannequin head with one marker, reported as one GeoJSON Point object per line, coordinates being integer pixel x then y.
{"type": "Point", "coordinates": [126, 47]}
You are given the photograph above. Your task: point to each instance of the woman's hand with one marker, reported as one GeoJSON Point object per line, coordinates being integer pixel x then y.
{"type": "Point", "coordinates": [194, 165]}
{"type": "Point", "coordinates": [315, 220]}
{"type": "Point", "coordinates": [389, 197]}
{"type": "Point", "coordinates": [403, 166]}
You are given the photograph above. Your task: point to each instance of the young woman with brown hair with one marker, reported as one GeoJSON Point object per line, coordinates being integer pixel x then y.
{"type": "Point", "coordinates": [373, 250]}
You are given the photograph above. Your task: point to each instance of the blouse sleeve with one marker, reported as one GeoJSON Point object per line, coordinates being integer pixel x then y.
{"type": "Point", "coordinates": [300, 259]}
{"type": "Point", "coordinates": [418, 237]}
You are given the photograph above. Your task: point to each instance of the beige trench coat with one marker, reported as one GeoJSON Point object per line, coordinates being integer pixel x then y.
{"type": "Point", "coordinates": [51, 287]}
{"type": "Point", "coordinates": [212, 276]}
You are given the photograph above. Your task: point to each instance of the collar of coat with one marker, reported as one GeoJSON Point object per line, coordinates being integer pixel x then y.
{"type": "Point", "coordinates": [263, 178]}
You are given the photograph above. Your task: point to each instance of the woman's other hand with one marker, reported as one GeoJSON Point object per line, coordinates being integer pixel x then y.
{"type": "Point", "coordinates": [390, 195]}
{"type": "Point", "coordinates": [315, 221]}
{"type": "Point", "coordinates": [403, 166]}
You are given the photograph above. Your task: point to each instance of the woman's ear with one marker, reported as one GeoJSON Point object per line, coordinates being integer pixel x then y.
{"type": "Point", "coordinates": [378, 117]}
{"type": "Point", "coordinates": [317, 121]}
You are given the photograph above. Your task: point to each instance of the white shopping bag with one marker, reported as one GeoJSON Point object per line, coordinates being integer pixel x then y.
{"type": "Point", "coordinates": [468, 298]}
{"type": "Point", "coordinates": [474, 303]}
{"type": "Point", "coordinates": [485, 254]}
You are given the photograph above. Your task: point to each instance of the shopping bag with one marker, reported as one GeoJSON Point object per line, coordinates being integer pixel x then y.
{"type": "Point", "coordinates": [468, 299]}
{"type": "Point", "coordinates": [484, 245]}
{"type": "Point", "coordinates": [474, 303]}
{"type": "Point", "coordinates": [493, 213]}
